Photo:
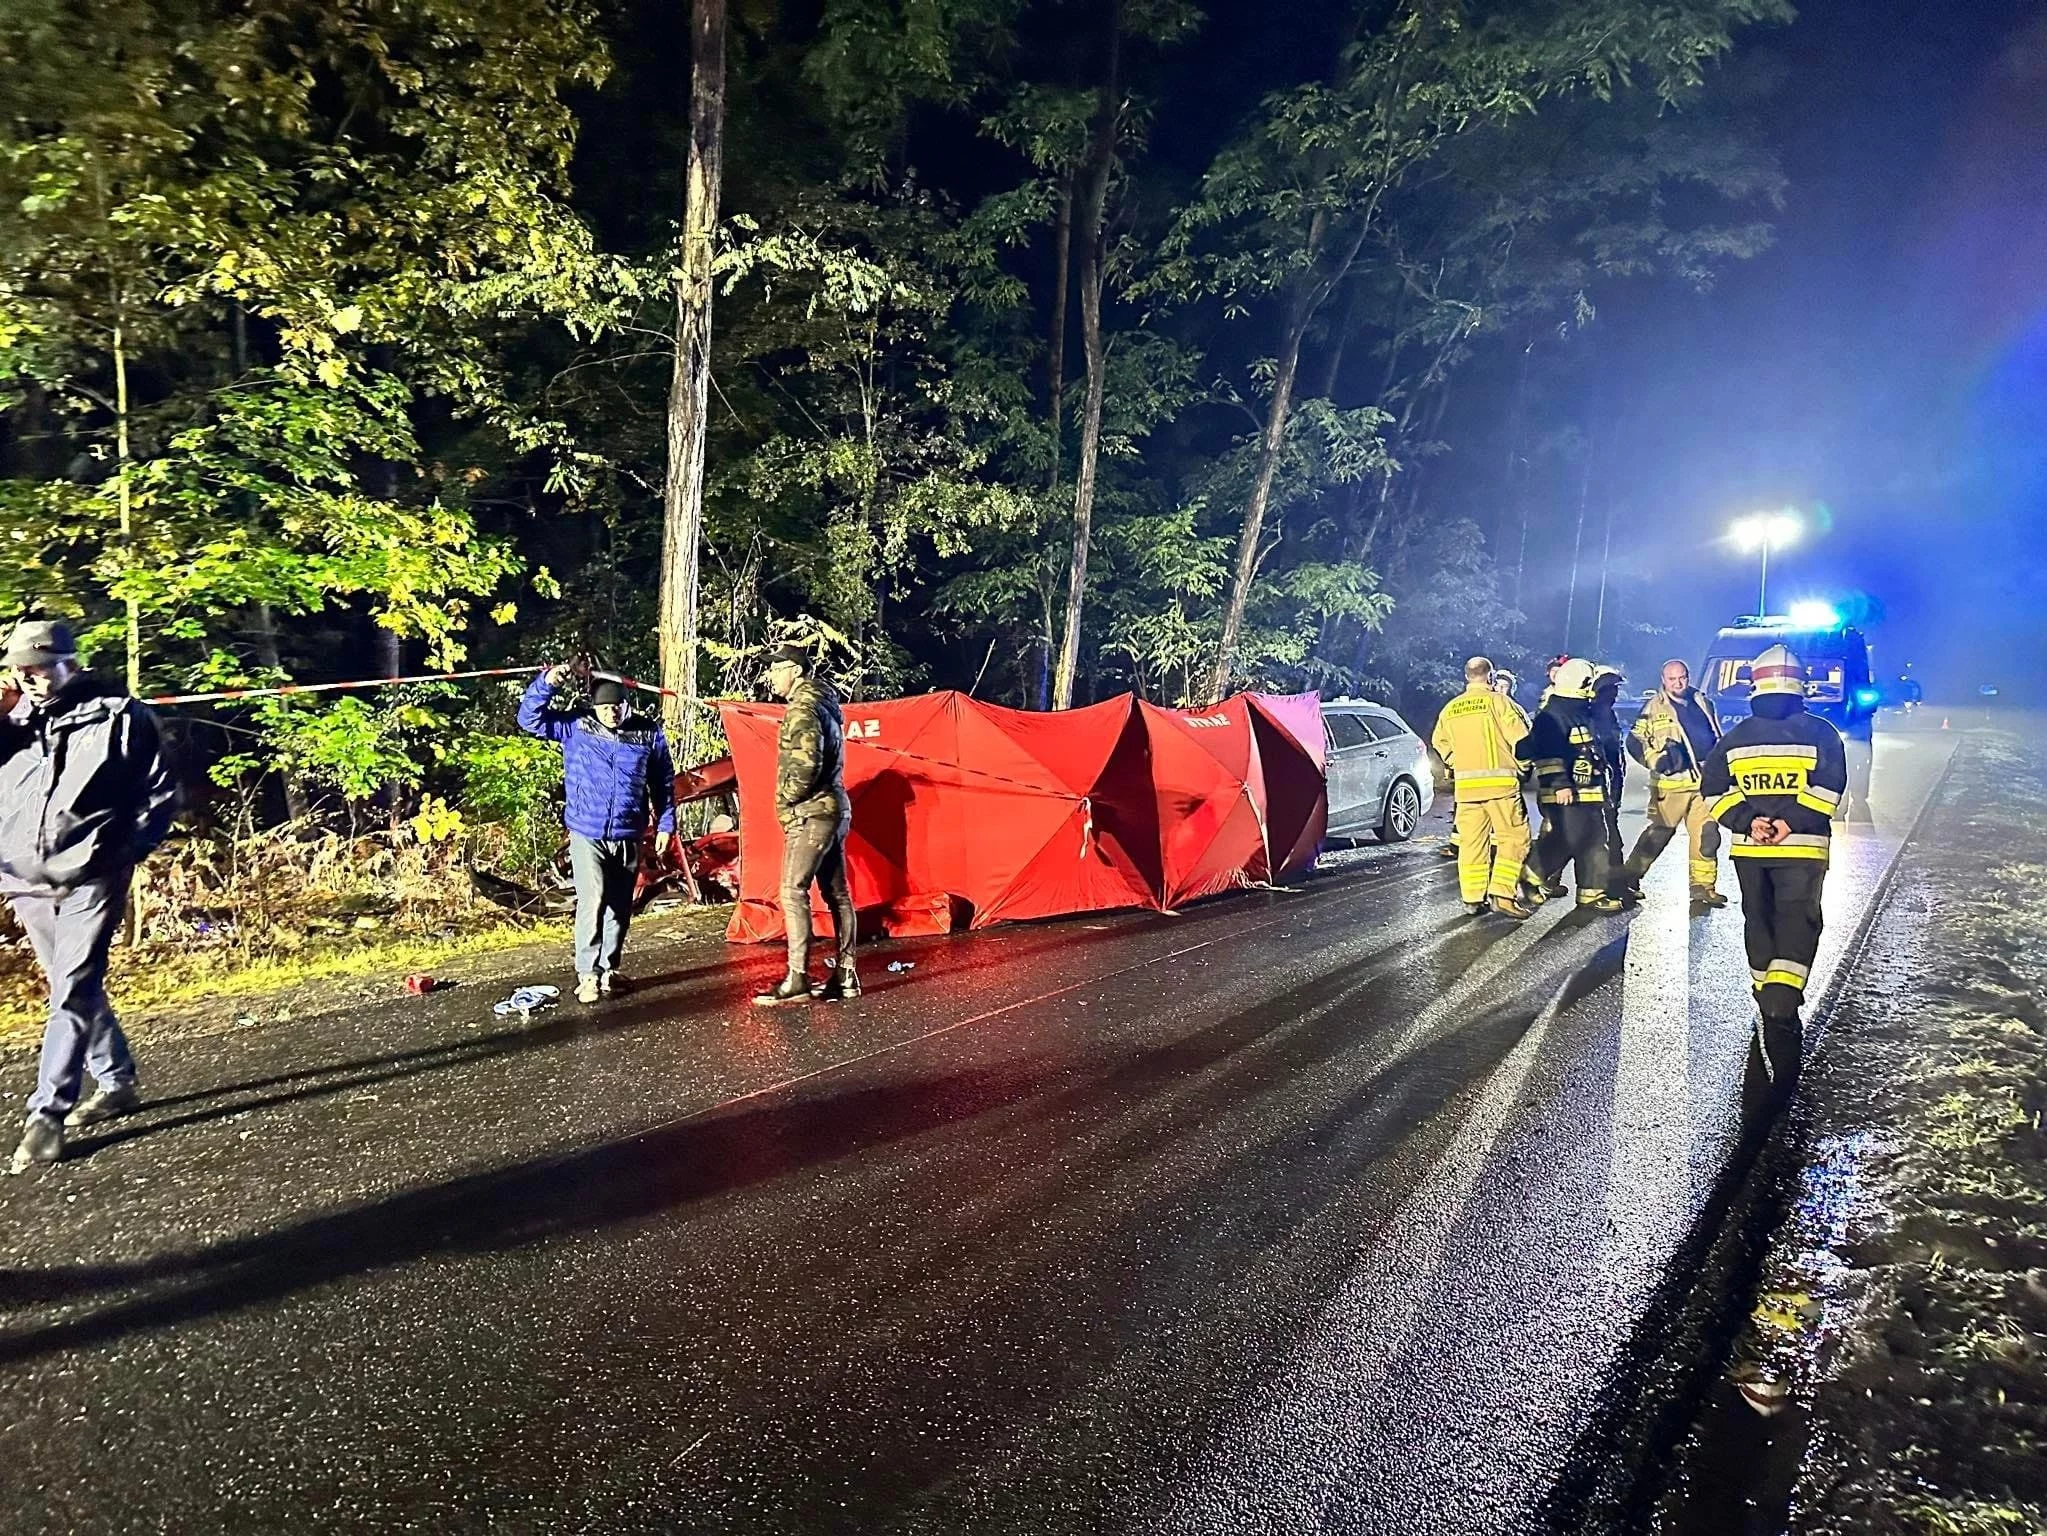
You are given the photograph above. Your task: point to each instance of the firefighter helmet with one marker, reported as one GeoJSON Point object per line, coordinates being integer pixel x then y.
{"type": "Point", "coordinates": [1777, 671]}
{"type": "Point", "coordinates": [1574, 679]}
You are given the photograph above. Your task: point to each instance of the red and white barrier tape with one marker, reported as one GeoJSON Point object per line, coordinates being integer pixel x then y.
{"type": "Point", "coordinates": [280, 689]}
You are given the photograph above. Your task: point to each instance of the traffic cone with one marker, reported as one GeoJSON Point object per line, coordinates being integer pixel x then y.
{"type": "Point", "coordinates": [1943, 722]}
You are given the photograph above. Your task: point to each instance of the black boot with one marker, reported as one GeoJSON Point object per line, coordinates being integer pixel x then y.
{"type": "Point", "coordinates": [842, 986]}
{"type": "Point", "coordinates": [790, 989]}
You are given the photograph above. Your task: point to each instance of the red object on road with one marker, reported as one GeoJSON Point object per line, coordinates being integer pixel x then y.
{"type": "Point", "coordinates": [967, 814]}
{"type": "Point", "coordinates": [419, 984]}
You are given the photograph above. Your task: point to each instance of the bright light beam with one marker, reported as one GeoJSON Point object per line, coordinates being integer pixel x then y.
{"type": "Point", "coordinates": [1766, 531]}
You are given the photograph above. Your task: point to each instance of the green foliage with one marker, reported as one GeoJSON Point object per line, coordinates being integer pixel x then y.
{"type": "Point", "coordinates": [304, 334]}
{"type": "Point", "coordinates": [513, 782]}
{"type": "Point", "coordinates": [371, 199]}
{"type": "Point", "coordinates": [353, 746]}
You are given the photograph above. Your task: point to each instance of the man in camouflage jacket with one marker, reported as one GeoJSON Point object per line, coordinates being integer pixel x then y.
{"type": "Point", "coordinates": [811, 804]}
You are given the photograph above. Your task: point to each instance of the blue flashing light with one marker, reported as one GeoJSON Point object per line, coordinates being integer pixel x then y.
{"type": "Point", "coordinates": [1868, 698]}
{"type": "Point", "coordinates": [1815, 615]}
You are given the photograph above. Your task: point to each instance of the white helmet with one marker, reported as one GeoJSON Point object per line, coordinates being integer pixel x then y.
{"type": "Point", "coordinates": [1777, 671]}
{"type": "Point", "coordinates": [1574, 679]}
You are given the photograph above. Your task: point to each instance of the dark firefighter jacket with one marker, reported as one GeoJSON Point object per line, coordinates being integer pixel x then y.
{"type": "Point", "coordinates": [810, 757]}
{"type": "Point", "coordinates": [1562, 749]}
{"type": "Point", "coordinates": [1782, 763]}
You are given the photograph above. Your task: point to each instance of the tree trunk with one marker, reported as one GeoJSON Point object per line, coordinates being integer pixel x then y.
{"type": "Point", "coordinates": [1270, 444]}
{"type": "Point", "coordinates": [1062, 261]}
{"type": "Point", "coordinates": [1093, 256]}
{"type": "Point", "coordinates": [126, 496]}
{"type": "Point", "coordinates": [682, 502]}
{"type": "Point", "coordinates": [1578, 541]}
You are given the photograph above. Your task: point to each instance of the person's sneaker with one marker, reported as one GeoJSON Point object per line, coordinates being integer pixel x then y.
{"type": "Point", "coordinates": [1708, 897]}
{"type": "Point", "coordinates": [1507, 906]}
{"type": "Point", "coordinates": [611, 984]}
{"type": "Point", "coordinates": [105, 1103]}
{"type": "Point", "coordinates": [842, 986]}
{"type": "Point", "coordinates": [1447, 851]}
{"type": "Point", "coordinates": [1554, 889]}
{"type": "Point", "coordinates": [586, 989]}
{"type": "Point", "coordinates": [42, 1141]}
{"type": "Point", "coordinates": [790, 989]}
{"type": "Point", "coordinates": [1473, 908]}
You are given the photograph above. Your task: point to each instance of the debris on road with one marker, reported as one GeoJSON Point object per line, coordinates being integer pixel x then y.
{"type": "Point", "coordinates": [897, 966]}
{"type": "Point", "coordinates": [527, 1001]}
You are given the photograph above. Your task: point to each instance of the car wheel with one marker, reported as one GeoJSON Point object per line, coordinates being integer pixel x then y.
{"type": "Point", "coordinates": [1403, 812]}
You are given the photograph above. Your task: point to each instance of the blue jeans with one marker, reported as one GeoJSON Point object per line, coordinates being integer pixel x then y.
{"type": "Point", "coordinates": [71, 932]}
{"type": "Point", "coordinates": [606, 872]}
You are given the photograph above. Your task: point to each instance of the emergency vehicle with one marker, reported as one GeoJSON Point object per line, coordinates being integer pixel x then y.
{"type": "Point", "coordinates": [1840, 683]}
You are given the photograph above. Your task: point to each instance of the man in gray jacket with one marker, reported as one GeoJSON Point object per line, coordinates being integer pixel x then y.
{"type": "Point", "coordinates": [85, 795]}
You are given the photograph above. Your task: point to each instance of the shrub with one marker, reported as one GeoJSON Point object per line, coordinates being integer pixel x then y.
{"type": "Point", "coordinates": [513, 783]}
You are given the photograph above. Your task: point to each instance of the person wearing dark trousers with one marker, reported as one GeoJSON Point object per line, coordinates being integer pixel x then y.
{"type": "Point", "coordinates": [1547, 877]}
{"type": "Point", "coordinates": [1613, 757]}
{"type": "Point", "coordinates": [1775, 782]}
{"type": "Point", "coordinates": [815, 813]}
{"type": "Point", "coordinates": [1570, 784]}
{"type": "Point", "coordinates": [85, 796]}
{"type": "Point", "coordinates": [620, 778]}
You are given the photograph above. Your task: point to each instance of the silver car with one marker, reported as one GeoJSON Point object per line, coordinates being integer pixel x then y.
{"type": "Point", "coordinates": [1379, 776]}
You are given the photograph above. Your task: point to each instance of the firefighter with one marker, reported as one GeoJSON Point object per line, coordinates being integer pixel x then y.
{"type": "Point", "coordinates": [1613, 758]}
{"type": "Point", "coordinates": [1775, 781]}
{"type": "Point", "coordinates": [1570, 780]}
{"type": "Point", "coordinates": [1546, 881]}
{"type": "Point", "coordinates": [1476, 735]}
{"type": "Point", "coordinates": [1671, 738]}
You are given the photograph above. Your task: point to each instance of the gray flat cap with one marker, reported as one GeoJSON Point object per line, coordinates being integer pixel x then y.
{"type": "Point", "coordinates": [38, 643]}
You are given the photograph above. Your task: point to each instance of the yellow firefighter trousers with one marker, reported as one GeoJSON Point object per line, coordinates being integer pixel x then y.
{"type": "Point", "coordinates": [1492, 846]}
{"type": "Point", "coordinates": [1670, 809]}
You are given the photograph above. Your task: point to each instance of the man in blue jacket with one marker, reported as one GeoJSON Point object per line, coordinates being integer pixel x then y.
{"type": "Point", "coordinates": [619, 777]}
{"type": "Point", "coordinates": [85, 796]}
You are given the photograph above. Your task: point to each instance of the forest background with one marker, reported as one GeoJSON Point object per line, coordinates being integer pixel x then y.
{"type": "Point", "coordinates": [1042, 348]}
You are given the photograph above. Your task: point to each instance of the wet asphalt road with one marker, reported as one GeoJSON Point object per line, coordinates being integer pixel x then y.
{"type": "Point", "coordinates": [1328, 1209]}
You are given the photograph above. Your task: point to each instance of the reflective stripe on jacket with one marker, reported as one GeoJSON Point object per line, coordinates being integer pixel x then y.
{"type": "Point", "coordinates": [1793, 770]}
{"type": "Point", "coordinates": [1564, 751]}
{"type": "Point", "coordinates": [1476, 735]}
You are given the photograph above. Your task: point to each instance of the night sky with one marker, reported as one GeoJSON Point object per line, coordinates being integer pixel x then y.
{"type": "Point", "coordinates": [1885, 361]}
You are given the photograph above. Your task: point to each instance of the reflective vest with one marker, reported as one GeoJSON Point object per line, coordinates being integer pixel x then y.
{"type": "Point", "coordinates": [1476, 735]}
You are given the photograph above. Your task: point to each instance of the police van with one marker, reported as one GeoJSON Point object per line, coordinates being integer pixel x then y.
{"type": "Point", "coordinates": [1840, 687]}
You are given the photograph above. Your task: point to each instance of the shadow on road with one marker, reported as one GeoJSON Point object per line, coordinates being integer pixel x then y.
{"type": "Point", "coordinates": [701, 1158]}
